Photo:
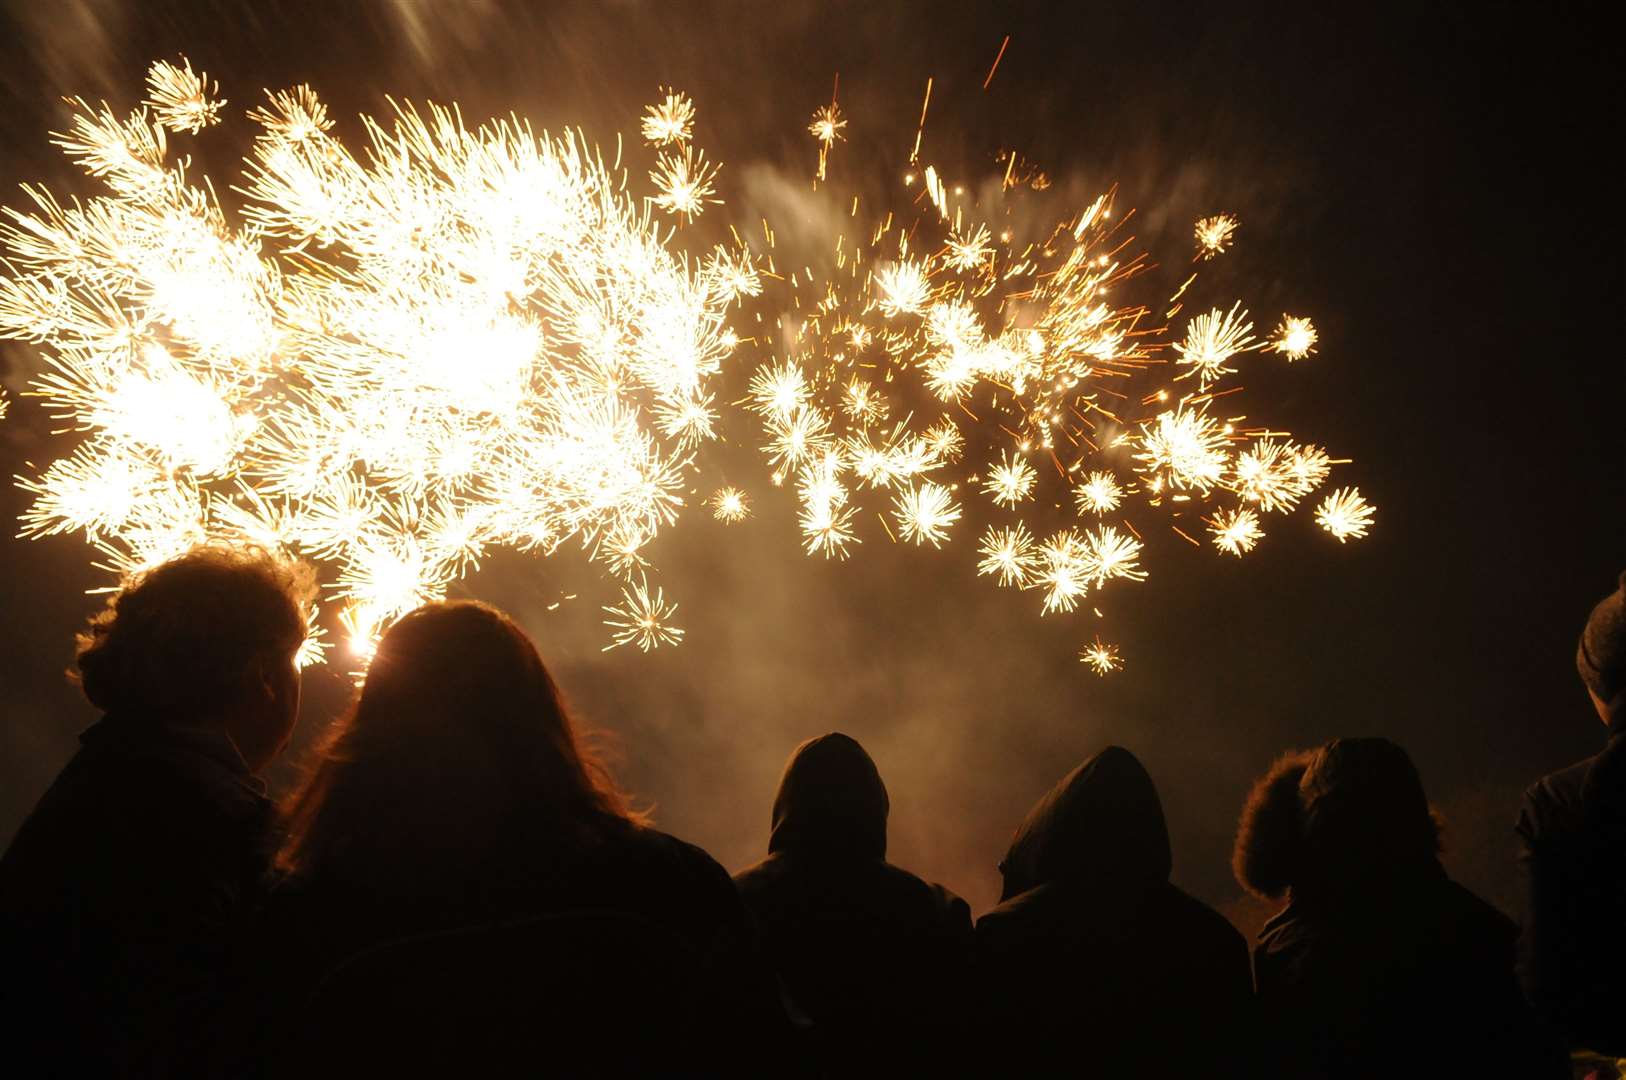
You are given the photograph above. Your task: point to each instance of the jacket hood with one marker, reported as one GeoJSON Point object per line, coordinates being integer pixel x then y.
{"type": "Point", "coordinates": [1103, 823]}
{"type": "Point", "coordinates": [831, 799]}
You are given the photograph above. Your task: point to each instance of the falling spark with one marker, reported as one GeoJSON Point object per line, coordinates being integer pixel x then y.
{"type": "Point", "coordinates": [1345, 514]}
{"type": "Point", "coordinates": [641, 619]}
{"type": "Point", "coordinates": [729, 504]}
{"type": "Point", "coordinates": [925, 513]}
{"type": "Point", "coordinates": [670, 121]}
{"type": "Point", "coordinates": [1295, 338]}
{"type": "Point", "coordinates": [1102, 657]}
{"type": "Point", "coordinates": [1011, 481]}
{"type": "Point", "coordinates": [1214, 234]}
{"type": "Point", "coordinates": [1236, 531]}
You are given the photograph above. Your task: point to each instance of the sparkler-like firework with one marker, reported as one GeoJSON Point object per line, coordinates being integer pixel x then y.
{"type": "Point", "coordinates": [475, 338]}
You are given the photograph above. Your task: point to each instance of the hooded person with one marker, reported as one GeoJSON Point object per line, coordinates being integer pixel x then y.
{"type": "Point", "coordinates": [868, 955]}
{"type": "Point", "coordinates": [1093, 957]}
{"type": "Point", "coordinates": [1572, 832]}
{"type": "Point", "coordinates": [1379, 964]}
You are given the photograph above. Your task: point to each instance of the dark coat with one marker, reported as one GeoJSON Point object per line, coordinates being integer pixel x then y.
{"type": "Point", "coordinates": [869, 954]}
{"type": "Point", "coordinates": [317, 924]}
{"type": "Point", "coordinates": [1573, 950]}
{"type": "Point", "coordinates": [118, 898]}
{"type": "Point", "coordinates": [1092, 958]}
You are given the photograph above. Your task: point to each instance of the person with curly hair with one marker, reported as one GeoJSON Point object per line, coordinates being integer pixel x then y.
{"type": "Point", "coordinates": [1378, 964]}
{"type": "Point", "coordinates": [119, 893]}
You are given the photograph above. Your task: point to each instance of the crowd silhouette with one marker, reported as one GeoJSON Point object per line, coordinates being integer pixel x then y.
{"type": "Point", "coordinates": [458, 887]}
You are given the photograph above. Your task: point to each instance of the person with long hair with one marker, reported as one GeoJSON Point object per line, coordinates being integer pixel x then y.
{"type": "Point", "coordinates": [453, 820]}
{"type": "Point", "coordinates": [1378, 964]}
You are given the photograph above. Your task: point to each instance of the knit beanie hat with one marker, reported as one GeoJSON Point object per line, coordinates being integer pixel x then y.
{"type": "Point", "coordinates": [1601, 656]}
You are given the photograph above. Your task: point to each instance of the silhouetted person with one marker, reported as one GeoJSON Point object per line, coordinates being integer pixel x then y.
{"type": "Point", "coordinates": [459, 867]}
{"type": "Point", "coordinates": [1094, 963]}
{"type": "Point", "coordinates": [119, 893]}
{"type": "Point", "coordinates": [1380, 964]}
{"type": "Point", "coordinates": [871, 957]}
{"type": "Point", "coordinates": [1573, 830]}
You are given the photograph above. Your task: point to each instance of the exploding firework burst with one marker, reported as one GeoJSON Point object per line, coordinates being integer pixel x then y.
{"type": "Point", "coordinates": [925, 513]}
{"type": "Point", "coordinates": [1102, 657]}
{"type": "Point", "coordinates": [1211, 340]}
{"type": "Point", "coordinates": [1295, 338]}
{"type": "Point", "coordinates": [670, 121]}
{"type": "Point", "coordinates": [1011, 481]}
{"type": "Point", "coordinates": [1009, 554]}
{"type": "Point", "coordinates": [1099, 494]}
{"type": "Point", "coordinates": [1236, 531]}
{"type": "Point", "coordinates": [1214, 234]}
{"type": "Point", "coordinates": [1345, 514]}
{"type": "Point", "coordinates": [642, 618]}
{"type": "Point", "coordinates": [729, 504]}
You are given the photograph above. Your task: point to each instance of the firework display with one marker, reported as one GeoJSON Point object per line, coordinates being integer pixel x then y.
{"type": "Point", "coordinates": [470, 338]}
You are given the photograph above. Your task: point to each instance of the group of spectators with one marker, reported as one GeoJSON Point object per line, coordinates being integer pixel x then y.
{"type": "Point", "coordinates": [458, 887]}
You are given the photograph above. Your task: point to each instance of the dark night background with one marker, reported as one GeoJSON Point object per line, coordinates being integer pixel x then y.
{"type": "Point", "coordinates": [1438, 189]}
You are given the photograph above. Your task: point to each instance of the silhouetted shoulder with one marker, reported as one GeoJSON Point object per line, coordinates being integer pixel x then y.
{"type": "Point", "coordinates": [1553, 803]}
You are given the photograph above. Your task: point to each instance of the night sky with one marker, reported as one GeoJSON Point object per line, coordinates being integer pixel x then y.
{"type": "Point", "coordinates": [1437, 191]}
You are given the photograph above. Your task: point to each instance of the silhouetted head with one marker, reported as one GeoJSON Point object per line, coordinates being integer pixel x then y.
{"type": "Point", "coordinates": [1102, 824]}
{"type": "Point", "coordinates": [208, 640]}
{"type": "Point", "coordinates": [1600, 656]}
{"type": "Point", "coordinates": [458, 749]}
{"type": "Point", "coordinates": [1350, 812]}
{"type": "Point", "coordinates": [831, 800]}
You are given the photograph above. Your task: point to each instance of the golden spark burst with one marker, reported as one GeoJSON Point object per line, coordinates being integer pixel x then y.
{"type": "Point", "coordinates": [1236, 531]}
{"type": "Point", "coordinates": [669, 121]}
{"type": "Point", "coordinates": [1112, 554]}
{"type": "Point", "coordinates": [1009, 553]}
{"type": "Point", "coordinates": [1277, 475]}
{"type": "Point", "coordinates": [642, 618]}
{"type": "Point", "coordinates": [463, 339]}
{"type": "Point", "coordinates": [903, 288]}
{"type": "Point", "coordinates": [1295, 338]}
{"type": "Point", "coordinates": [827, 529]}
{"type": "Point", "coordinates": [1102, 657]}
{"type": "Point", "coordinates": [729, 504]}
{"type": "Point", "coordinates": [945, 441]}
{"type": "Point", "coordinates": [1065, 570]}
{"type": "Point", "coordinates": [181, 99]}
{"type": "Point", "coordinates": [863, 403]}
{"type": "Point", "coordinates": [1211, 340]}
{"type": "Point", "coordinates": [924, 513]}
{"type": "Point", "coordinates": [684, 182]}
{"type": "Point", "coordinates": [1214, 234]}
{"type": "Point", "coordinates": [1011, 481]}
{"type": "Point", "coordinates": [971, 250]}
{"type": "Point", "coordinates": [778, 390]}
{"type": "Point", "coordinates": [1184, 448]}
{"type": "Point", "coordinates": [1099, 494]}
{"type": "Point", "coordinates": [1345, 514]}
{"type": "Point", "coordinates": [827, 124]}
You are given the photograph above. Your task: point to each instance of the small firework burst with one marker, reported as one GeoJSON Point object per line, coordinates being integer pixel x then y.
{"type": "Point", "coordinates": [1295, 338]}
{"type": "Point", "coordinates": [863, 403]}
{"type": "Point", "coordinates": [1011, 481]}
{"type": "Point", "coordinates": [1236, 531]}
{"type": "Point", "coordinates": [181, 99]}
{"type": "Point", "coordinates": [925, 513]}
{"type": "Point", "coordinates": [1113, 554]}
{"type": "Point", "coordinates": [903, 287]}
{"type": "Point", "coordinates": [967, 252]}
{"type": "Point", "coordinates": [1101, 656]}
{"type": "Point", "coordinates": [1211, 340]}
{"type": "Point", "coordinates": [1185, 448]}
{"type": "Point", "coordinates": [827, 124]}
{"type": "Point", "coordinates": [779, 390]}
{"type": "Point", "coordinates": [642, 618]}
{"type": "Point", "coordinates": [945, 441]}
{"type": "Point", "coordinates": [827, 529]}
{"type": "Point", "coordinates": [798, 438]}
{"type": "Point", "coordinates": [1270, 473]}
{"type": "Point", "coordinates": [729, 504]}
{"type": "Point", "coordinates": [1100, 493]}
{"type": "Point", "coordinates": [1345, 514]}
{"type": "Point", "coordinates": [1008, 552]}
{"type": "Point", "coordinates": [684, 182]}
{"type": "Point", "coordinates": [1214, 234]}
{"type": "Point", "coordinates": [1064, 571]}
{"type": "Point", "coordinates": [294, 116]}
{"type": "Point", "coordinates": [670, 121]}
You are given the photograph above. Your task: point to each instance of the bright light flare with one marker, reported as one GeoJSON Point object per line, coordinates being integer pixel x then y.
{"type": "Point", "coordinates": [1345, 514]}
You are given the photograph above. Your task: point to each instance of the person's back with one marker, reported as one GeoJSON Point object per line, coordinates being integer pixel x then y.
{"type": "Point", "coordinates": [872, 956]}
{"type": "Point", "coordinates": [455, 802]}
{"type": "Point", "coordinates": [1379, 964]}
{"type": "Point", "coordinates": [119, 893]}
{"type": "Point", "coordinates": [1572, 829]}
{"type": "Point", "coordinates": [1093, 960]}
